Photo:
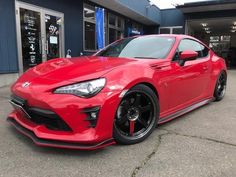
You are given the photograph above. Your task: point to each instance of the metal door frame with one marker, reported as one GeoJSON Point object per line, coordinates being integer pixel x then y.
{"type": "Point", "coordinates": [43, 12]}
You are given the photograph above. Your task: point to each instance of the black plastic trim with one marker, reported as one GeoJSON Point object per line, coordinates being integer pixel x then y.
{"type": "Point", "coordinates": [43, 112]}
{"type": "Point", "coordinates": [18, 100]}
{"type": "Point", "coordinates": [184, 111]}
{"type": "Point", "coordinates": [40, 116]}
{"type": "Point", "coordinates": [92, 121]}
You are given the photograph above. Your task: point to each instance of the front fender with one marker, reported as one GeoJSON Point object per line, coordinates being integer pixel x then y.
{"type": "Point", "coordinates": [127, 77]}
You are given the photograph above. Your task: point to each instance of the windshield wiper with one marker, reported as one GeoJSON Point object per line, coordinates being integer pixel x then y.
{"type": "Point", "coordinates": [146, 57]}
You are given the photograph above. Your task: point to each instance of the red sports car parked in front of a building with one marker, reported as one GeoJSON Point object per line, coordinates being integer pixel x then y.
{"type": "Point", "coordinates": [119, 94]}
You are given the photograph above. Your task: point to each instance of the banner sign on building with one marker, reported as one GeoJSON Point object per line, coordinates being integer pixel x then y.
{"type": "Point", "coordinates": [100, 27]}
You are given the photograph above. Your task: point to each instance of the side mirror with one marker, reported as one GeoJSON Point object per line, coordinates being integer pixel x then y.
{"type": "Point", "coordinates": [187, 55]}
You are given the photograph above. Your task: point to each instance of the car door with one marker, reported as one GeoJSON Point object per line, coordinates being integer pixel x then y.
{"type": "Point", "coordinates": [188, 83]}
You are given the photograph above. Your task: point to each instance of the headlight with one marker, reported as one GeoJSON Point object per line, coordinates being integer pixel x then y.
{"type": "Point", "coordinates": [84, 89]}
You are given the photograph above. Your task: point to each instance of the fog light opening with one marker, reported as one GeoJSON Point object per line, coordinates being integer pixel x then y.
{"type": "Point", "coordinates": [92, 115]}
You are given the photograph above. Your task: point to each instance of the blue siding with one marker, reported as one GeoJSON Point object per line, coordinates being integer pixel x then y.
{"type": "Point", "coordinates": [172, 17]}
{"type": "Point", "coordinates": [8, 48]}
{"type": "Point", "coordinates": [153, 13]}
{"type": "Point", "coordinates": [73, 12]}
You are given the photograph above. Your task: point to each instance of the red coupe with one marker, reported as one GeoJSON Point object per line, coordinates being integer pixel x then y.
{"type": "Point", "coordinates": [117, 95]}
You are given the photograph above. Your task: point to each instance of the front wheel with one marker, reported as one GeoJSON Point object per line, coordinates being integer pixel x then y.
{"type": "Point", "coordinates": [220, 87]}
{"type": "Point", "coordinates": [136, 116]}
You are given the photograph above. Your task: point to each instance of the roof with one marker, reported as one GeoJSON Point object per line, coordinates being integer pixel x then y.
{"type": "Point", "coordinates": [205, 3]}
{"type": "Point", "coordinates": [205, 6]}
{"type": "Point", "coordinates": [177, 36]}
{"type": "Point", "coordinates": [142, 12]}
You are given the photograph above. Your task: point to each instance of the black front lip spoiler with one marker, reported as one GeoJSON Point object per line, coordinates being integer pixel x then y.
{"type": "Point", "coordinates": [56, 143]}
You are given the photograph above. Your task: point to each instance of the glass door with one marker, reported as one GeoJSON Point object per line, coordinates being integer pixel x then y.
{"type": "Point", "coordinates": [30, 29]}
{"type": "Point", "coordinates": [53, 31]}
{"type": "Point", "coordinates": [40, 35]}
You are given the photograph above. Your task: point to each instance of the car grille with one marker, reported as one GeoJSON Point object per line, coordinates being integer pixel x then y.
{"type": "Point", "coordinates": [41, 116]}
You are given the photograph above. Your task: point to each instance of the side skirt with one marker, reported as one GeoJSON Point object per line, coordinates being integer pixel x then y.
{"type": "Point", "coordinates": [184, 111]}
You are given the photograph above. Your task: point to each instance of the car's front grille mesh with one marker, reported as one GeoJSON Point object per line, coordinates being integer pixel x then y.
{"type": "Point", "coordinates": [40, 116]}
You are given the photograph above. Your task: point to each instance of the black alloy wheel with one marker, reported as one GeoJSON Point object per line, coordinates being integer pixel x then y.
{"type": "Point", "coordinates": [220, 87]}
{"type": "Point", "coordinates": [136, 116]}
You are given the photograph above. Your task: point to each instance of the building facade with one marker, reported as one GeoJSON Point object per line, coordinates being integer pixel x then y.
{"type": "Point", "coordinates": [34, 31]}
{"type": "Point", "coordinates": [214, 23]}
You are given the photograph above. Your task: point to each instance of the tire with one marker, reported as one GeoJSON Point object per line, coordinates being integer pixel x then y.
{"type": "Point", "coordinates": [136, 116]}
{"type": "Point", "coordinates": [220, 87]}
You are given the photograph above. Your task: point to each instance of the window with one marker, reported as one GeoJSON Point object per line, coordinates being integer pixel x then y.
{"type": "Point", "coordinates": [112, 35]}
{"type": "Point", "coordinates": [90, 42]}
{"type": "Point", "coordinates": [164, 30]}
{"type": "Point", "coordinates": [112, 19]}
{"type": "Point", "coordinates": [144, 47]}
{"type": "Point", "coordinates": [115, 28]}
{"type": "Point", "coordinates": [137, 28]}
{"type": "Point", "coordinates": [220, 44]}
{"type": "Point", "coordinates": [177, 31]}
{"type": "Point", "coordinates": [188, 44]}
{"type": "Point", "coordinates": [225, 38]}
{"type": "Point", "coordinates": [89, 12]}
{"type": "Point", "coordinates": [89, 28]}
{"type": "Point", "coordinates": [214, 38]}
{"type": "Point", "coordinates": [171, 30]}
{"type": "Point", "coordinates": [119, 22]}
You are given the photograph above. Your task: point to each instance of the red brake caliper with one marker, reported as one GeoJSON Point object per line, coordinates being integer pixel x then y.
{"type": "Point", "coordinates": [131, 127]}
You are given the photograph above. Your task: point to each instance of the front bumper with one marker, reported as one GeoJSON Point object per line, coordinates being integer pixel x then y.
{"type": "Point", "coordinates": [55, 143]}
{"type": "Point", "coordinates": [71, 110]}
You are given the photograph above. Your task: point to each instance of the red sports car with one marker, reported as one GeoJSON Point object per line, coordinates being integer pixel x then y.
{"type": "Point", "coordinates": [117, 95]}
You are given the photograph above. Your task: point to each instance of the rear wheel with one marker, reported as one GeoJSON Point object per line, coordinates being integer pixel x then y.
{"type": "Point", "coordinates": [220, 87]}
{"type": "Point", "coordinates": [136, 116]}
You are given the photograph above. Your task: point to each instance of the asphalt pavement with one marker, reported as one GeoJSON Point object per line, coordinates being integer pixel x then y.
{"type": "Point", "coordinates": [199, 144]}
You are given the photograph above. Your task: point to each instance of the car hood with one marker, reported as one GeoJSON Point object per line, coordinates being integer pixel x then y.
{"type": "Point", "coordinates": [76, 69]}
{"type": "Point", "coordinates": [63, 71]}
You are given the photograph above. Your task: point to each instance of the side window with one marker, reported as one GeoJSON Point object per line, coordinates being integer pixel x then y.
{"type": "Point", "coordinates": [188, 44]}
{"type": "Point", "coordinates": [205, 51]}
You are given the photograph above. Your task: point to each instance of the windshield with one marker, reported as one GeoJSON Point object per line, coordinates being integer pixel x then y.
{"type": "Point", "coordinates": [139, 47]}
